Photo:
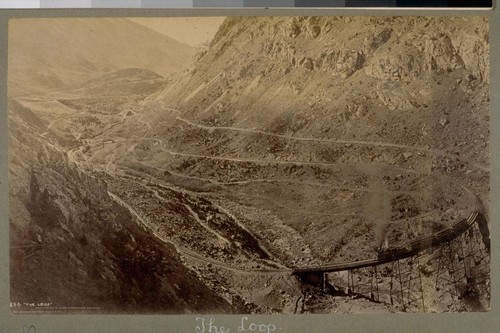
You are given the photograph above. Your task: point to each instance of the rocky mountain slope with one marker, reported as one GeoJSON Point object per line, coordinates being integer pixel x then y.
{"type": "Point", "coordinates": [54, 53]}
{"type": "Point", "coordinates": [421, 81]}
{"type": "Point", "coordinates": [290, 142]}
{"type": "Point", "coordinates": [78, 250]}
{"type": "Point", "coordinates": [358, 104]}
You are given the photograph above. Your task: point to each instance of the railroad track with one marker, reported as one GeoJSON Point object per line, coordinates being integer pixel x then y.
{"type": "Point", "coordinates": [390, 255]}
{"type": "Point", "coordinates": [401, 252]}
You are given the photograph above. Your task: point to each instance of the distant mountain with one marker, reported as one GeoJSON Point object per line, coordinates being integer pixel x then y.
{"type": "Point", "coordinates": [49, 54]}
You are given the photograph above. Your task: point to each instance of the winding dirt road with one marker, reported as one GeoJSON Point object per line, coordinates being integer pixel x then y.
{"type": "Point", "coordinates": [334, 141]}
{"type": "Point", "coordinates": [190, 253]}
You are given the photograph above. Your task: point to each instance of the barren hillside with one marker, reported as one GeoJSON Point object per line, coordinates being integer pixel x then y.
{"type": "Point", "coordinates": [416, 81]}
{"type": "Point", "coordinates": [52, 54]}
{"type": "Point", "coordinates": [290, 143]}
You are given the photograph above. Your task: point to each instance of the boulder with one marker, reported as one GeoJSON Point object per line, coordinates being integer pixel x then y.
{"type": "Point", "coordinates": [443, 121]}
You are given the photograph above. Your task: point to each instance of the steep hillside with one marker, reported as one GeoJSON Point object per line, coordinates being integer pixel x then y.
{"type": "Point", "coordinates": [78, 250]}
{"type": "Point", "coordinates": [310, 119]}
{"type": "Point", "coordinates": [48, 54]}
{"type": "Point", "coordinates": [412, 80]}
{"type": "Point", "coordinates": [290, 142]}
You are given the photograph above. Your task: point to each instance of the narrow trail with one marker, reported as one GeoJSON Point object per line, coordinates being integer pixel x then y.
{"type": "Point", "coordinates": [193, 257]}
{"type": "Point", "coordinates": [193, 254]}
{"type": "Point", "coordinates": [242, 226]}
{"type": "Point", "coordinates": [49, 127]}
{"type": "Point", "coordinates": [181, 249]}
{"type": "Point", "coordinates": [334, 141]}
{"type": "Point", "coordinates": [253, 160]}
{"type": "Point", "coordinates": [273, 199]}
{"type": "Point", "coordinates": [222, 239]}
{"type": "Point", "coordinates": [270, 181]}
{"type": "Point", "coordinates": [197, 256]}
{"type": "Point", "coordinates": [282, 162]}
{"type": "Point", "coordinates": [148, 125]}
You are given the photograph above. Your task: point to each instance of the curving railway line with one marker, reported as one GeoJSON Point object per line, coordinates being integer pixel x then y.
{"type": "Point", "coordinates": [412, 249]}
{"type": "Point", "coordinates": [389, 255]}
{"type": "Point", "coordinates": [308, 274]}
{"type": "Point", "coordinates": [462, 270]}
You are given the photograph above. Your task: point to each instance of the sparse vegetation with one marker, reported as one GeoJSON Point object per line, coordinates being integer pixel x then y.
{"type": "Point", "coordinates": [313, 143]}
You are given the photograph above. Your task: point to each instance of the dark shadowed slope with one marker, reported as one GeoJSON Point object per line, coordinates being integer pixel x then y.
{"type": "Point", "coordinates": [73, 245]}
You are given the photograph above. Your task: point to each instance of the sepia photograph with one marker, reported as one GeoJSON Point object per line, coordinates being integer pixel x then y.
{"type": "Point", "coordinates": [249, 165]}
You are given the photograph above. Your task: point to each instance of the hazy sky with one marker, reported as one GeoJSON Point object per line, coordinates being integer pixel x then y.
{"type": "Point", "coordinates": [190, 30]}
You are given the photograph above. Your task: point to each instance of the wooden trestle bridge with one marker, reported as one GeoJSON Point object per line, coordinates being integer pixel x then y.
{"type": "Point", "coordinates": [399, 275]}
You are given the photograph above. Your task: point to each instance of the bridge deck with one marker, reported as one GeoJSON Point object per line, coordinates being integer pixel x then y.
{"type": "Point", "coordinates": [398, 253]}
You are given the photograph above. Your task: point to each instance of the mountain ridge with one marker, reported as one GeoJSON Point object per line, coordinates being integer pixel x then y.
{"type": "Point", "coordinates": [344, 78]}
{"type": "Point", "coordinates": [57, 53]}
